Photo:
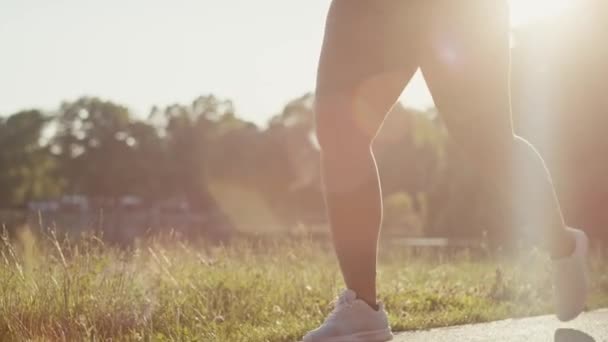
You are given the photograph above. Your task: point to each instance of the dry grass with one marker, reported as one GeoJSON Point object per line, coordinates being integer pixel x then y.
{"type": "Point", "coordinates": [53, 288]}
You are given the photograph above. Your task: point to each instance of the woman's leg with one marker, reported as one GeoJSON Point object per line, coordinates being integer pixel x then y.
{"type": "Point", "coordinates": [368, 56]}
{"type": "Point", "coordinates": [466, 63]}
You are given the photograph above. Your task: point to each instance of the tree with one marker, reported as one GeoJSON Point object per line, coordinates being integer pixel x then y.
{"type": "Point", "coordinates": [93, 143]}
{"type": "Point", "coordinates": [27, 169]}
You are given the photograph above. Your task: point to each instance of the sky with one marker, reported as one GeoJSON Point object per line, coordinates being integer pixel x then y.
{"type": "Point", "coordinates": [141, 53]}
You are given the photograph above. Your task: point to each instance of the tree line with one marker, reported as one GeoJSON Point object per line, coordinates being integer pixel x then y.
{"type": "Point", "coordinates": [201, 153]}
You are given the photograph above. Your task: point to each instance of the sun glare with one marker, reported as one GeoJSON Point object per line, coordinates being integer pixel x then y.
{"type": "Point", "coordinates": [527, 11]}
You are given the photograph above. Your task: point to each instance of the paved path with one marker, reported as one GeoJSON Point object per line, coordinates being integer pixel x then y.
{"type": "Point", "coordinates": [589, 327]}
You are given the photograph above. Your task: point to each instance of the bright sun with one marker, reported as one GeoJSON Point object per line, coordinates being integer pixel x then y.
{"type": "Point", "coordinates": [527, 11]}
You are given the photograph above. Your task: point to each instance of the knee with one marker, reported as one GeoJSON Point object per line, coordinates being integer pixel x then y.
{"type": "Point", "coordinates": [340, 131]}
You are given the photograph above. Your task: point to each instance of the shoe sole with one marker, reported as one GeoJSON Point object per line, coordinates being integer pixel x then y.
{"type": "Point", "coordinates": [366, 336]}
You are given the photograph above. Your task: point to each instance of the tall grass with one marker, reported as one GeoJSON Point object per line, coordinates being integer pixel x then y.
{"type": "Point", "coordinates": [165, 288]}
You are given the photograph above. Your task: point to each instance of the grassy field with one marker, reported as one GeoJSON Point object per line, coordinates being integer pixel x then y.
{"type": "Point", "coordinates": [165, 289]}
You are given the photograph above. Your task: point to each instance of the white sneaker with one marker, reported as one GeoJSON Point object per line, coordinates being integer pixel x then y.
{"type": "Point", "coordinates": [352, 320]}
{"type": "Point", "coordinates": [570, 279]}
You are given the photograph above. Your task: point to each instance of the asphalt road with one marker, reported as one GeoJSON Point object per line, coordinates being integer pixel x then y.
{"type": "Point", "coordinates": [589, 327]}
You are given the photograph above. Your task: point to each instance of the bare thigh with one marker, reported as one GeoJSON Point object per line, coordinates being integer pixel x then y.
{"type": "Point", "coordinates": [370, 51]}
{"type": "Point", "coordinates": [466, 62]}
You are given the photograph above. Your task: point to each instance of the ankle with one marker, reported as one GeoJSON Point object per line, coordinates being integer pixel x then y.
{"type": "Point", "coordinates": [371, 303]}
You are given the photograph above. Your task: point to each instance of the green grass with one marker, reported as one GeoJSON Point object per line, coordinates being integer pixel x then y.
{"type": "Point", "coordinates": [167, 289]}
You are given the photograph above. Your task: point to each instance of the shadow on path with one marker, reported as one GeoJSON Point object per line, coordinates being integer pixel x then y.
{"type": "Point", "coordinates": [571, 335]}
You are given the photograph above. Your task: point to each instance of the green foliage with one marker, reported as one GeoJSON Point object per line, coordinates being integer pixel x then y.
{"type": "Point", "coordinates": [405, 213]}
{"type": "Point", "coordinates": [163, 289]}
{"type": "Point", "coordinates": [27, 170]}
{"type": "Point", "coordinates": [92, 143]}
